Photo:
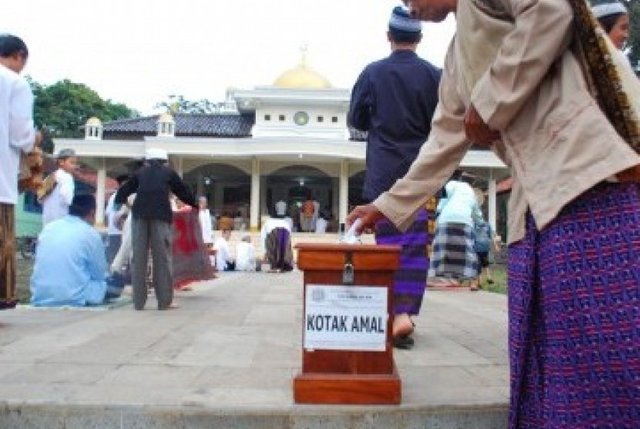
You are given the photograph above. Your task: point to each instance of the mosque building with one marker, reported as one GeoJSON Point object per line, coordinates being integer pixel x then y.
{"type": "Point", "coordinates": [281, 142]}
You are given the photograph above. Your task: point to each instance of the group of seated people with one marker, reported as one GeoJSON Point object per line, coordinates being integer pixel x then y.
{"type": "Point", "coordinates": [276, 241]}
{"type": "Point", "coordinates": [71, 267]}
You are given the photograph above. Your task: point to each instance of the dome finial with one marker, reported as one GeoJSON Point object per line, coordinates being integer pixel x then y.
{"type": "Point", "coordinates": [304, 49]}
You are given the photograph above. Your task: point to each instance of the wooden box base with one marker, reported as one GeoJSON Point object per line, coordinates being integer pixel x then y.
{"type": "Point", "coordinates": [331, 388]}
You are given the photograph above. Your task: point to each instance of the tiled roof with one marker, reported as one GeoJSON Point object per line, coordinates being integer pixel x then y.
{"type": "Point", "coordinates": [188, 124]}
{"type": "Point", "coordinates": [198, 124]}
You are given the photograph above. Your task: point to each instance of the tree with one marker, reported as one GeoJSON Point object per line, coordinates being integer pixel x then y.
{"type": "Point", "coordinates": [61, 109]}
{"type": "Point", "coordinates": [179, 104]}
{"type": "Point", "coordinates": [634, 32]}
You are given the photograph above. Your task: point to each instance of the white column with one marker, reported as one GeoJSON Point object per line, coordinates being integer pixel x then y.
{"type": "Point", "coordinates": [101, 184]}
{"type": "Point", "coordinates": [263, 199]}
{"type": "Point", "coordinates": [179, 168]}
{"type": "Point", "coordinates": [492, 200]}
{"type": "Point", "coordinates": [343, 192]}
{"type": "Point", "coordinates": [254, 211]}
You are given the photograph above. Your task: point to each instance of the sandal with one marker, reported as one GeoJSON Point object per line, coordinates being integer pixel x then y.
{"type": "Point", "coordinates": [403, 342]}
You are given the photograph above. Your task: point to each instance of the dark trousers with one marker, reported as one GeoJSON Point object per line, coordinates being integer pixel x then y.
{"type": "Point", "coordinates": [113, 245]}
{"type": "Point", "coordinates": [155, 235]}
{"type": "Point", "coordinates": [7, 256]}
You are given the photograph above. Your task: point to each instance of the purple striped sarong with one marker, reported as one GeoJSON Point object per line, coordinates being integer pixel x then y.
{"type": "Point", "coordinates": [574, 315]}
{"type": "Point", "coordinates": [411, 277]}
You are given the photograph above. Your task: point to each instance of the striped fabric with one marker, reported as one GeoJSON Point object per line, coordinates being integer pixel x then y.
{"type": "Point", "coordinates": [453, 255]}
{"type": "Point", "coordinates": [7, 257]}
{"type": "Point", "coordinates": [574, 315]}
{"type": "Point", "coordinates": [411, 277]}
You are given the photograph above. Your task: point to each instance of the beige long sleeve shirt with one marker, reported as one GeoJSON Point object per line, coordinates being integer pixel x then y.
{"type": "Point", "coordinates": [525, 82]}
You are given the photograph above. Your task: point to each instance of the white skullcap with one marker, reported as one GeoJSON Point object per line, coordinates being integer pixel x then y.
{"type": "Point", "coordinates": [155, 153]}
{"type": "Point", "coordinates": [606, 9]}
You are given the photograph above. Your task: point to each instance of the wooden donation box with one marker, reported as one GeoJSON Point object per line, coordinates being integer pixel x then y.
{"type": "Point", "coordinates": [347, 350]}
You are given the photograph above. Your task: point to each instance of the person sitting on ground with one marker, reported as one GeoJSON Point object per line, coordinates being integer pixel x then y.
{"type": "Point", "coordinates": [275, 237]}
{"type": "Point", "coordinates": [246, 255]}
{"type": "Point", "coordinates": [71, 266]}
{"type": "Point", "coordinates": [224, 258]}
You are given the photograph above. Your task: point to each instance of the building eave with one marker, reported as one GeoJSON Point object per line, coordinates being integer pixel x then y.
{"type": "Point", "coordinates": [271, 148]}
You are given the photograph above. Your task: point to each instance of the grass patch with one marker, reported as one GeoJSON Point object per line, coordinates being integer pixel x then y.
{"type": "Point", "coordinates": [499, 274]}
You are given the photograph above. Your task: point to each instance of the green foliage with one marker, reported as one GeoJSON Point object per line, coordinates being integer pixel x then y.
{"type": "Point", "coordinates": [179, 104]}
{"type": "Point", "coordinates": [499, 276]}
{"type": "Point", "coordinates": [61, 109]}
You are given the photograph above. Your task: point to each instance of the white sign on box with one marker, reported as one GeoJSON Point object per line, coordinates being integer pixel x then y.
{"type": "Point", "coordinates": [345, 318]}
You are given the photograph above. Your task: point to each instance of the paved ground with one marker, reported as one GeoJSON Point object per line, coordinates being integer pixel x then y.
{"type": "Point", "coordinates": [226, 359]}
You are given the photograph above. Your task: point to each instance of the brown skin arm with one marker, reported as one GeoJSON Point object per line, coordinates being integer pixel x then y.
{"type": "Point", "coordinates": [477, 130]}
{"type": "Point", "coordinates": [368, 214]}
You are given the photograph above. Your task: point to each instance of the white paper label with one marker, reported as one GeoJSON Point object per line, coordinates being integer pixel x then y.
{"type": "Point", "coordinates": [345, 318]}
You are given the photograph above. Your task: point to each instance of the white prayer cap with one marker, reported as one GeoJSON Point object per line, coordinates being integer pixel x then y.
{"type": "Point", "coordinates": [155, 153]}
{"type": "Point", "coordinates": [606, 9]}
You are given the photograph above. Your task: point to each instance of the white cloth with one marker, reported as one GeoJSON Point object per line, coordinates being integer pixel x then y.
{"type": "Point", "coordinates": [16, 130]}
{"type": "Point", "coordinates": [56, 204]}
{"type": "Point", "coordinates": [460, 204]}
{"type": "Point", "coordinates": [271, 224]}
{"type": "Point", "coordinates": [205, 224]}
{"type": "Point", "coordinates": [245, 257]}
{"type": "Point", "coordinates": [112, 216]}
{"type": "Point", "coordinates": [281, 208]}
{"type": "Point", "coordinates": [223, 253]}
{"type": "Point", "coordinates": [321, 225]}
{"type": "Point", "coordinates": [125, 252]}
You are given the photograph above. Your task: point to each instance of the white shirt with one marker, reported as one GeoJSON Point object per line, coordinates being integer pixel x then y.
{"type": "Point", "coordinates": [245, 257]}
{"type": "Point", "coordinates": [56, 204]}
{"type": "Point", "coordinates": [321, 225]}
{"type": "Point", "coordinates": [205, 224]}
{"type": "Point", "coordinates": [16, 130]}
{"type": "Point", "coordinates": [223, 253]}
{"type": "Point", "coordinates": [281, 208]}
{"type": "Point", "coordinates": [112, 216]}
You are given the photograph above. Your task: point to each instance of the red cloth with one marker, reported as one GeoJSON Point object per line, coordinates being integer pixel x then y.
{"type": "Point", "coordinates": [190, 257]}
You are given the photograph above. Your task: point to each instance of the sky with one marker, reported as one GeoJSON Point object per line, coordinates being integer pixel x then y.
{"type": "Point", "coordinates": [139, 52]}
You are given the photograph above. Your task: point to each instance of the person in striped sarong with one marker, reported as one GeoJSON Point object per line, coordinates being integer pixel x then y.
{"type": "Point", "coordinates": [453, 254]}
{"type": "Point", "coordinates": [17, 136]}
{"type": "Point", "coordinates": [397, 127]}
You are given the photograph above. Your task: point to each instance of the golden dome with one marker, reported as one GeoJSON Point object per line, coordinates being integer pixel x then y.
{"type": "Point", "coordinates": [302, 77]}
{"type": "Point", "coordinates": [93, 122]}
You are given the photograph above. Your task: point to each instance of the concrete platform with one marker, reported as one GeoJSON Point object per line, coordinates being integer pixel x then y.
{"type": "Point", "coordinates": [226, 359]}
